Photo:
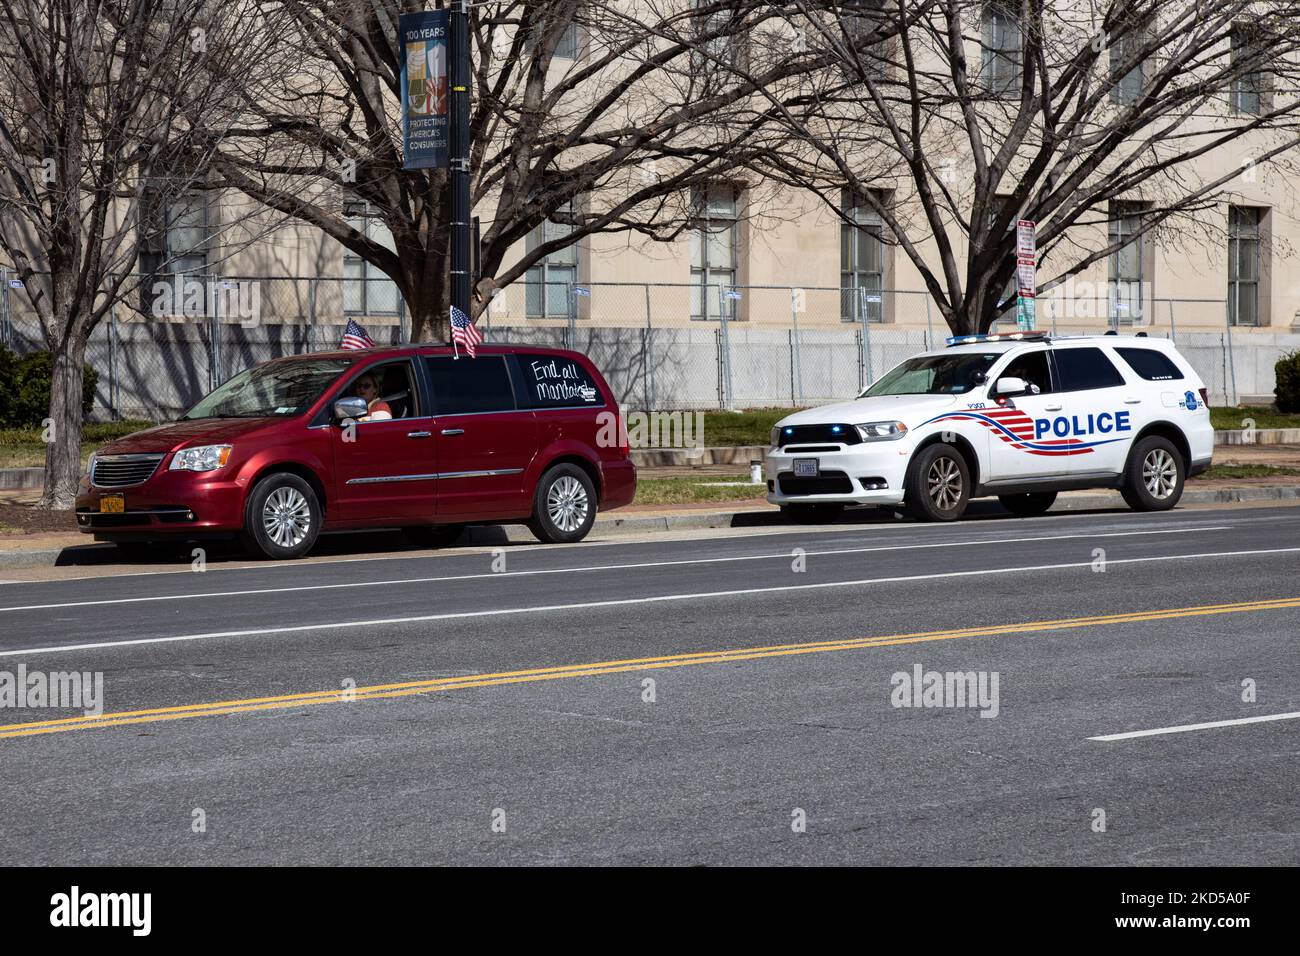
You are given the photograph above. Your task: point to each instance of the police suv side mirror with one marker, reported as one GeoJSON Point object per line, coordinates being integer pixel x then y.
{"type": "Point", "coordinates": [1010, 385]}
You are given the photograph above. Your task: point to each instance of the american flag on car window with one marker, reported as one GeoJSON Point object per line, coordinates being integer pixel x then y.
{"type": "Point", "coordinates": [355, 336]}
{"type": "Point", "coordinates": [463, 332]}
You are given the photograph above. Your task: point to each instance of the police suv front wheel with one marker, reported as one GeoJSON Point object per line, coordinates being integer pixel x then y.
{"type": "Point", "coordinates": [938, 484]}
{"type": "Point", "coordinates": [1154, 475]}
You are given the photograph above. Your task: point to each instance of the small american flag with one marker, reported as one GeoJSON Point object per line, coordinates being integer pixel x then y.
{"type": "Point", "coordinates": [463, 331]}
{"type": "Point", "coordinates": [355, 336]}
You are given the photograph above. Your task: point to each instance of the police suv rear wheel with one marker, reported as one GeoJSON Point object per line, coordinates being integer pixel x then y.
{"type": "Point", "coordinates": [938, 484]}
{"type": "Point", "coordinates": [1029, 504]}
{"type": "Point", "coordinates": [1154, 476]}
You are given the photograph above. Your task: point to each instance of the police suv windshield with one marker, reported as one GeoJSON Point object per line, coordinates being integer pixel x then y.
{"type": "Point", "coordinates": [951, 374]}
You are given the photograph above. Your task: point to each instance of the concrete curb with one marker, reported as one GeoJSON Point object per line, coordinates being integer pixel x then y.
{"type": "Point", "coordinates": [756, 517]}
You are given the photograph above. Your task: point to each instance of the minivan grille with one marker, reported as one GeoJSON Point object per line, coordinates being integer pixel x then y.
{"type": "Point", "coordinates": [117, 471]}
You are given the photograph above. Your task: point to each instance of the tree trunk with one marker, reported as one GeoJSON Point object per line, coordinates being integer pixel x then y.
{"type": "Point", "coordinates": [428, 296]}
{"type": "Point", "coordinates": [63, 428]}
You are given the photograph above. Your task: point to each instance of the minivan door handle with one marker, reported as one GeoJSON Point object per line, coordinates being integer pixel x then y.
{"type": "Point", "coordinates": [453, 431]}
{"type": "Point", "coordinates": [419, 434]}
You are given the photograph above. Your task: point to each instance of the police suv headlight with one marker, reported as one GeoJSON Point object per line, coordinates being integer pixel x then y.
{"type": "Point", "coordinates": [202, 458]}
{"type": "Point", "coordinates": [881, 431]}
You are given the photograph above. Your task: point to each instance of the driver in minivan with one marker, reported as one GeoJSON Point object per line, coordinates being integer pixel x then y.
{"type": "Point", "coordinates": [367, 389]}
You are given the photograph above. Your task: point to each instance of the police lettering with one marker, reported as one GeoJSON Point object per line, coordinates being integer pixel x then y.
{"type": "Point", "coordinates": [1075, 425]}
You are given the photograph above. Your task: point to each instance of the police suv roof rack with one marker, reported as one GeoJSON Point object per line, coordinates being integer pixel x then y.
{"type": "Point", "coordinates": [999, 337]}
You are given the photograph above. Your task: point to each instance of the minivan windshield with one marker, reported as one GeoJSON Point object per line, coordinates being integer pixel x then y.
{"type": "Point", "coordinates": [950, 374]}
{"type": "Point", "coordinates": [282, 389]}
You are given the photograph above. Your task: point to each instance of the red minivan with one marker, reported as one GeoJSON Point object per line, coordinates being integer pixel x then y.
{"type": "Point", "coordinates": [410, 437]}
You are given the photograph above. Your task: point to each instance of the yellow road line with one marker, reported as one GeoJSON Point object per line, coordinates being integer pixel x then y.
{"type": "Point", "coordinates": [530, 675]}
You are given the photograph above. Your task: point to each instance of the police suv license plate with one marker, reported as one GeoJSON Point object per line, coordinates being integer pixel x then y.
{"type": "Point", "coordinates": [112, 504]}
{"type": "Point", "coordinates": [805, 467]}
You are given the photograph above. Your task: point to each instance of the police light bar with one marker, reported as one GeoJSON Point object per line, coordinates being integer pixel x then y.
{"type": "Point", "coordinates": [999, 337]}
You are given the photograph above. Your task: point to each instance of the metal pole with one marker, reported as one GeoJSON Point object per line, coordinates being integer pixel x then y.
{"type": "Point", "coordinates": [1173, 333]}
{"type": "Point", "coordinates": [6, 327]}
{"type": "Point", "coordinates": [459, 148]}
{"type": "Point", "coordinates": [649, 353]}
{"type": "Point", "coordinates": [112, 364]}
{"type": "Point", "coordinates": [571, 333]}
{"type": "Point", "coordinates": [789, 337]}
{"type": "Point", "coordinates": [1232, 365]}
{"type": "Point", "coordinates": [866, 337]}
{"type": "Point", "coordinates": [796, 354]}
{"type": "Point", "coordinates": [725, 351]}
{"type": "Point", "coordinates": [311, 314]}
{"type": "Point", "coordinates": [929, 325]}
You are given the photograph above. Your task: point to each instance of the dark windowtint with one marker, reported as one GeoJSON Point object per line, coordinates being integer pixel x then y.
{"type": "Point", "coordinates": [1080, 369]}
{"type": "Point", "coordinates": [1032, 368]}
{"type": "Point", "coordinates": [465, 385]}
{"type": "Point", "coordinates": [1151, 365]}
{"type": "Point", "coordinates": [552, 381]}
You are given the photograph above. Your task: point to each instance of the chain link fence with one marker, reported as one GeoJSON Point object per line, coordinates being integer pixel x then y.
{"type": "Point", "coordinates": [662, 347]}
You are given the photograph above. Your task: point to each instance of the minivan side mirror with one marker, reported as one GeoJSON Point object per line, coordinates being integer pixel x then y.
{"type": "Point", "coordinates": [350, 407]}
{"type": "Point", "coordinates": [1010, 385]}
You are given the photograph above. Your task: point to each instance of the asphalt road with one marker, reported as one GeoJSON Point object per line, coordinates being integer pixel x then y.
{"type": "Point", "coordinates": [492, 706]}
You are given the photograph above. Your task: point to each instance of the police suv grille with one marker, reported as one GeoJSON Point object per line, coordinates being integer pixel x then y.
{"type": "Point", "coordinates": [827, 483]}
{"type": "Point", "coordinates": [117, 471]}
{"type": "Point", "coordinates": [813, 434]}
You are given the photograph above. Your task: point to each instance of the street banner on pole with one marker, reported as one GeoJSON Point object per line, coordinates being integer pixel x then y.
{"type": "Point", "coordinates": [423, 38]}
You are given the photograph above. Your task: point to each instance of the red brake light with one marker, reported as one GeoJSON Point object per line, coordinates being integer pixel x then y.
{"type": "Point", "coordinates": [1205, 397]}
{"type": "Point", "coordinates": [624, 443]}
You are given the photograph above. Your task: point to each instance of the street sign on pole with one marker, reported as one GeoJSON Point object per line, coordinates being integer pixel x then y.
{"type": "Point", "coordinates": [1026, 273]}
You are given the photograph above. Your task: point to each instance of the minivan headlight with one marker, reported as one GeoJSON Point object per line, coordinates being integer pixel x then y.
{"type": "Point", "coordinates": [881, 431]}
{"type": "Point", "coordinates": [201, 458]}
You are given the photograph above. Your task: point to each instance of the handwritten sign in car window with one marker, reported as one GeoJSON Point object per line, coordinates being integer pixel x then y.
{"type": "Point", "coordinates": [553, 382]}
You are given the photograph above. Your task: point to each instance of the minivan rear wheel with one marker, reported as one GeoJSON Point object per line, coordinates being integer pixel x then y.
{"type": "Point", "coordinates": [564, 505]}
{"type": "Point", "coordinates": [282, 517]}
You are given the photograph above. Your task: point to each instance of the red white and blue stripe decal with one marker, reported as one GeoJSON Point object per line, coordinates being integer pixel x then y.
{"type": "Point", "coordinates": [1016, 429]}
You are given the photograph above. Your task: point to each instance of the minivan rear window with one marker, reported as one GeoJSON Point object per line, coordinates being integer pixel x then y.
{"type": "Point", "coordinates": [1151, 365]}
{"type": "Point", "coordinates": [467, 385]}
{"type": "Point", "coordinates": [553, 381]}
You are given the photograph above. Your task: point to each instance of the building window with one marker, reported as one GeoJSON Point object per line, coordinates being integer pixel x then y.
{"type": "Point", "coordinates": [714, 232]}
{"type": "Point", "coordinates": [862, 270]}
{"type": "Point", "coordinates": [367, 289]}
{"type": "Point", "coordinates": [567, 46]}
{"type": "Point", "coordinates": [722, 43]}
{"type": "Point", "coordinates": [1125, 278]}
{"type": "Point", "coordinates": [862, 21]}
{"type": "Point", "coordinates": [174, 250]}
{"type": "Point", "coordinates": [1001, 59]}
{"type": "Point", "coordinates": [549, 283]}
{"type": "Point", "coordinates": [1243, 265]}
{"type": "Point", "coordinates": [1247, 92]}
{"type": "Point", "coordinates": [1128, 86]}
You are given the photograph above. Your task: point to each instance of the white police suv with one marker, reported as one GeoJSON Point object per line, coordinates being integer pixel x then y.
{"type": "Point", "coordinates": [1018, 415]}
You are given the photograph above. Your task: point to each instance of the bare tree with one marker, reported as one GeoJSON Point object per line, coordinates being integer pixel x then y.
{"type": "Point", "coordinates": [951, 119]}
{"type": "Point", "coordinates": [598, 116]}
{"type": "Point", "coordinates": [99, 101]}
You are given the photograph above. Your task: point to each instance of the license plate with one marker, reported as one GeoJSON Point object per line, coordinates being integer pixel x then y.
{"type": "Point", "coordinates": [112, 504]}
{"type": "Point", "coordinates": [805, 467]}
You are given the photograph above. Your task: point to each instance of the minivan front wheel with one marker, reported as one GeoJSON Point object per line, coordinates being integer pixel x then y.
{"type": "Point", "coordinates": [282, 518]}
{"type": "Point", "coordinates": [564, 505]}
